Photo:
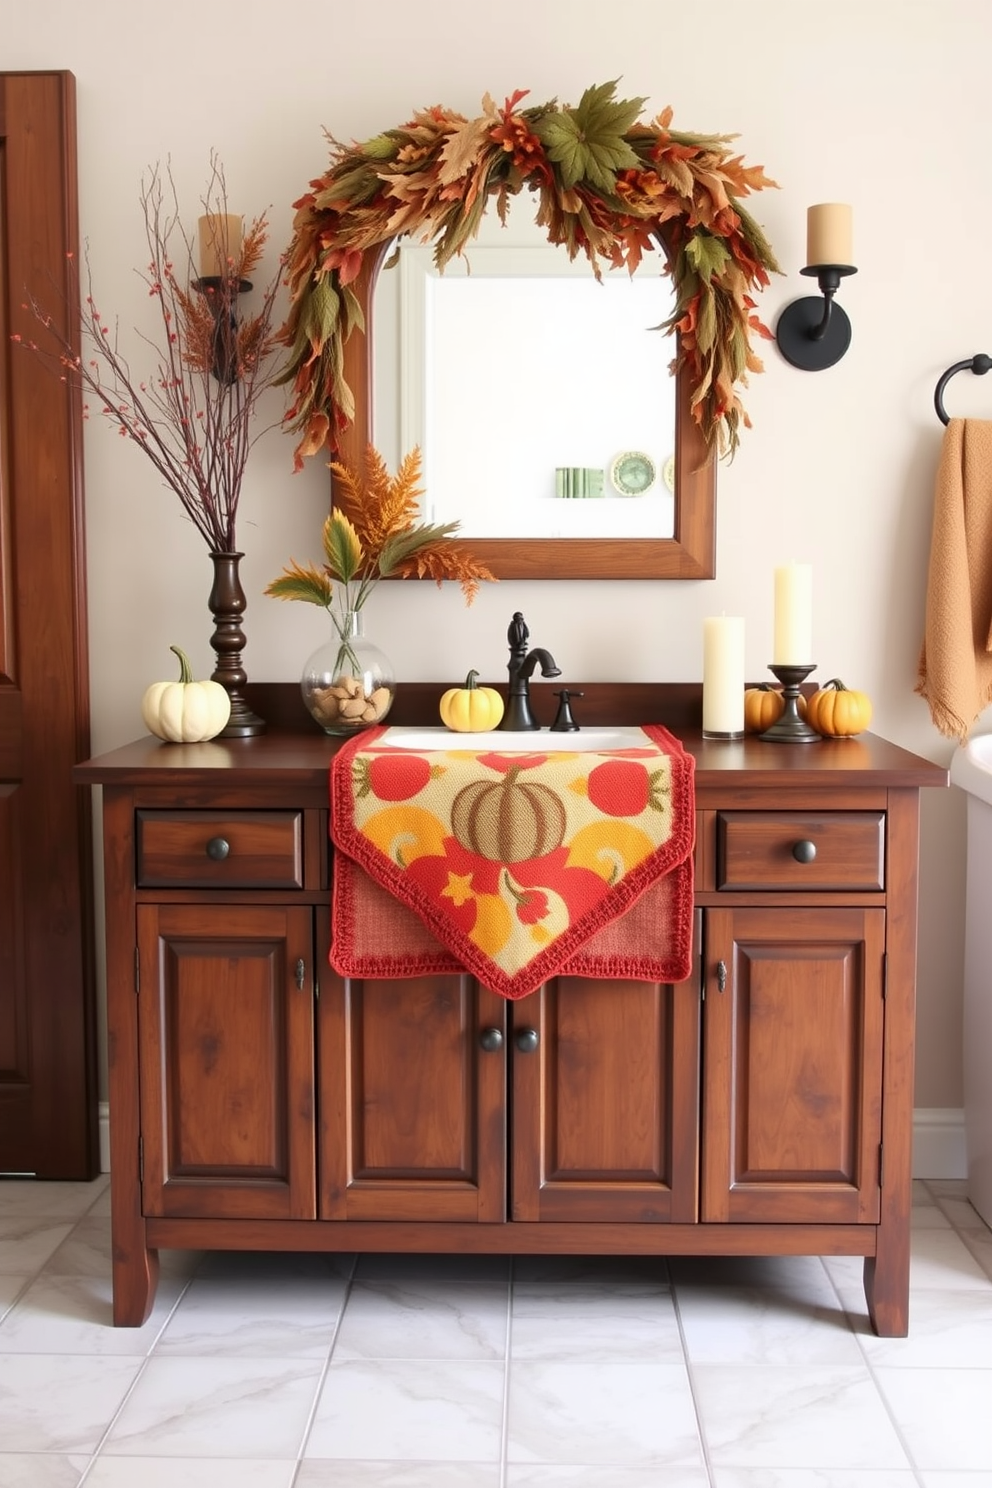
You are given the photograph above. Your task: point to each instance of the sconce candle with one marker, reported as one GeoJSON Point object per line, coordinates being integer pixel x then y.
{"type": "Point", "coordinates": [829, 234]}
{"type": "Point", "coordinates": [793, 615]}
{"type": "Point", "coordinates": [220, 244]}
{"type": "Point", "coordinates": [815, 333]}
{"type": "Point", "coordinates": [723, 677]}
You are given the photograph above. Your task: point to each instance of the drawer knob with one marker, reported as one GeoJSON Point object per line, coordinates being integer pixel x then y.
{"type": "Point", "coordinates": [804, 851]}
{"type": "Point", "coordinates": [527, 1040]}
{"type": "Point", "coordinates": [218, 849]}
{"type": "Point", "coordinates": [491, 1039]}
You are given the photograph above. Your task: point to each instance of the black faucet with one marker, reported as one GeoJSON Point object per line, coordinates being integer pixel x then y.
{"type": "Point", "coordinates": [521, 668]}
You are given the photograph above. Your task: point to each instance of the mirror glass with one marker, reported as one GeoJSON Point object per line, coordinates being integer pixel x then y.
{"type": "Point", "coordinates": [663, 527]}
{"type": "Point", "coordinates": [540, 397]}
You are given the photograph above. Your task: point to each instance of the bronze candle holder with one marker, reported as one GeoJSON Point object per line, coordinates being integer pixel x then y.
{"type": "Point", "coordinates": [789, 728]}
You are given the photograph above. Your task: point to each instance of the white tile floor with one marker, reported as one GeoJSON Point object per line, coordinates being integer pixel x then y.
{"type": "Point", "coordinates": [462, 1372]}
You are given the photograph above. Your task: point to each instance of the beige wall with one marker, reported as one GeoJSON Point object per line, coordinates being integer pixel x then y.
{"type": "Point", "coordinates": [883, 103]}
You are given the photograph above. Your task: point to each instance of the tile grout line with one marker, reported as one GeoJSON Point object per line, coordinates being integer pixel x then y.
{"type": "Point", "coordinates": [507, 1357]}
{"type": "Point", "coordinates": [866, 1359]}
{"type": "Point", "coordinates": [319, 1390]}
{"type": "Point", "coordinates": [687, 1365]}
{"type": "Point", "coordinates": [139, 1375]}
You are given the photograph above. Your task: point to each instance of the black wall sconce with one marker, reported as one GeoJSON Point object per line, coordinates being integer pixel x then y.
{"type": "Point", "coordinates": [813, 333]}
{"type": "Point", "coordinates": [220, 247]}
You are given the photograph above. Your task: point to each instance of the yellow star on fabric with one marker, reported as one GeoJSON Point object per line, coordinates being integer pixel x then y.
{"type": "Point", "coordinates": [458, 889]}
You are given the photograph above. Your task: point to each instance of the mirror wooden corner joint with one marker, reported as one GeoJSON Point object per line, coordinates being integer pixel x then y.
{"type": "Point", "coordinates": [689, 554]}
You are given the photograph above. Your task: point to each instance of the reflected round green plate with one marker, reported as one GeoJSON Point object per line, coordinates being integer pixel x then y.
{"type": "Point", "coordinates": [633, 473]}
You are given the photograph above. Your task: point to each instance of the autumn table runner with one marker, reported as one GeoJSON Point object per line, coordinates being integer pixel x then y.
{"type": "Point", "coordinates": [516, 867]}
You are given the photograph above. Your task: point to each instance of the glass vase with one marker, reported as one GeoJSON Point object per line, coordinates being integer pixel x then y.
{"type": "Point", "coordinates": [348, 683]}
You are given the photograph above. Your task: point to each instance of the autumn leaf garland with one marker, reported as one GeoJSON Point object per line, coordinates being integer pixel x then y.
{"type": "Point", "coordinates": [606, 185]}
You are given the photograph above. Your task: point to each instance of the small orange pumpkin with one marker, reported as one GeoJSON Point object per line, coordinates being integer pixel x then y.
{"type": "Point", "coordinates": [764, 705]}
{"type": "Point", "coordinates": [837, 711]}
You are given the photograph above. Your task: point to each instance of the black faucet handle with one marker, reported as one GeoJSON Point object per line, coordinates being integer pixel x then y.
{"type": "Point", "coordinates": [564, 722]}
{"type": "Point", "coordinates": [517, 634]}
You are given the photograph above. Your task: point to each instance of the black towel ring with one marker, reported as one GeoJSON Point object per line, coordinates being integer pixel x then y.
{"type": "Point", "coordinates": [978, 364]}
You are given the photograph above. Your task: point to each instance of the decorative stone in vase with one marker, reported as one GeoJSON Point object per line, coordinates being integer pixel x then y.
{"type": "Point", "coordinates": [348, 684]}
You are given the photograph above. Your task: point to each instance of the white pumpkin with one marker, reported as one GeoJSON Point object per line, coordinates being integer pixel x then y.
{"type": "Point", "coordinates": [185, 712]}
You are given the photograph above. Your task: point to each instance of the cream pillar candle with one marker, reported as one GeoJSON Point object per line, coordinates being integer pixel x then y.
{"type": "Point", "coordinates": [220, 244]}
{"type": "Point", "coordinates": [723, 676]}
{"type": "Point", "coordinates": [793, 615]}
{"type": "Point", "coordinates": [829, 234]}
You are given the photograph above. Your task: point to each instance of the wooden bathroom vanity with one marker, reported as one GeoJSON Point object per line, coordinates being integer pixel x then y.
{"type": "Point", "coordinates": [259, 1101]}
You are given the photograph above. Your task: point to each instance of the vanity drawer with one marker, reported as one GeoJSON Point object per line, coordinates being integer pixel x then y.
{"type": "Point", "coordinates": [219, 849]}
{"type": "Point", "coordinates": [800, 850]}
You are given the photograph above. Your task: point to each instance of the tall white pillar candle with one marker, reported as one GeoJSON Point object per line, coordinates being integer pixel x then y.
{"type": "Point", "coordinates": [723, 675]}
{"type": "Point", "coordinates": [793, 615]}
{"type": "Point", "coordinates": [829, 234]}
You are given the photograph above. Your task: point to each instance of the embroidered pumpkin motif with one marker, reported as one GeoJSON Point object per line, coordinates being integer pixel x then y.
{"type": "Point", "coordinates": [509, 820]}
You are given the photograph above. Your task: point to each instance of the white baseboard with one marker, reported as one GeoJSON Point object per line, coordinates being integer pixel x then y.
{"type": "Point", "coordinates": [938, 1142]}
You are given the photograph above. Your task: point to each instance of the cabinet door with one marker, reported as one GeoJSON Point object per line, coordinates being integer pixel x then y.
{"type": "Point", "coordinates": [226, 1050]}
{"type": "Point", "coordinates": [792, 1065]}
{"type": "Point", "coordinates": [605, 1101]}
{"type": "Point", "coordinates": [412, 1099]}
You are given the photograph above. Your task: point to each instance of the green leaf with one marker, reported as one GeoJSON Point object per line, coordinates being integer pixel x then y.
{"type": "Point", "coordinates": [323, 311]}
{"type": "Point", "coordinates": [355, 187]}
{"type": "Point", "coordinates": [381, 147]}
{"type": "Point", "coordinates": [401, 545]}
{"type": "Point", "coordinates": [307, 584]}
{"type": "Point", "coordinates": [708, 255]}
{"type": "Point", "coordinates": [706, 323]}
{"type": "Point", "coordinates": [342, 547]}
{"type": "Point", "coordinates": [756, 238]}
{"type": "Point", "coordinates": [587, 142]}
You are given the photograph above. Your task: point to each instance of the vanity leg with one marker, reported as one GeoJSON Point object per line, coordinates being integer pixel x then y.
{"type": "Point", "coordinates": [887, 1272]}
{"type": "Point", "coordinates": [887, 1290]}
{"type": "Point", "coordinates": [135, 1276]}
{"type": "Point", "coordinates": [135, 1267]}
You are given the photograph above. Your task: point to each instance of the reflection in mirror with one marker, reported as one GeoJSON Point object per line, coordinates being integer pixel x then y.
{"type": "Point", "coordinates": [540, 397]}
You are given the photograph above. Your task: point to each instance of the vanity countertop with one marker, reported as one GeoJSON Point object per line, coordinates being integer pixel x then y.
{"type": "Point", "coordinates": [294, 748]}
{"type": "Point", "coordinates": [304, 758]}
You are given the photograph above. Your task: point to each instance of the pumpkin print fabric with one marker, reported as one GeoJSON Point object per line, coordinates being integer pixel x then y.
{"type": "Point", "coordinates": [514, 861]}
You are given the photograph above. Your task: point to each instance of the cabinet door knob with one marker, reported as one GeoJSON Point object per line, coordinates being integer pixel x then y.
{"type": "Point", "coordinates": [301, 973]}
{"type": "Point", "coordinates": [804, 851]}
{"type": "Point", "coordinates": [527, 1040]}
{"type": "Point", "coordinates": [721, 976]}
{"type": "Point", "coordinates": [491, 1039]}
{"type": "Point", "coordinates": [218, 849]}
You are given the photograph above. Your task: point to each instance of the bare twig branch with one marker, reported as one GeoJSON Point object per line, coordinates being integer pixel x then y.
{"type": "Point", "coordinates": [193, 425]}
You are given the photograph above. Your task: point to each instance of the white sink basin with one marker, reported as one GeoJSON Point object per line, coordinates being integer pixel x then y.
{"type": "Point", "coordinates": [528, 741]}
{"type": "Point", "coordinates": [971, 767]}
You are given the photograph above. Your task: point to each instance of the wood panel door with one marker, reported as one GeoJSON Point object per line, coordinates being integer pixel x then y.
{"type": "Point", "coordinates": [605, 1102]}
{"type": "Point", "coordinates": [412, 1092]}
{"type": "Point", "coordinates": [225, 1034]}
{"type": "Point", "coordinates": [792, 1065]}
{"type": "Point", "coordinates": [48, 1098]}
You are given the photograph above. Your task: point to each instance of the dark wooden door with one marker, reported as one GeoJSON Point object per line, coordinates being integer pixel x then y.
{"type": "Point", "coordinates": [605, 1102]}
{"type": "Point", "coordinates": [412, 1099]}
{"type": "Point", "coordinates": [48, 1110]}
{"type": "Point", "coordinates": [792, 1065]}
{"type": "Point", "coordinates": [225, 1026]}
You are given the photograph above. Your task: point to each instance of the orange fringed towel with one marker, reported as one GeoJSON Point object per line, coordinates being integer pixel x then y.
{"type": "Point", "coordinates": [956, 661]}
